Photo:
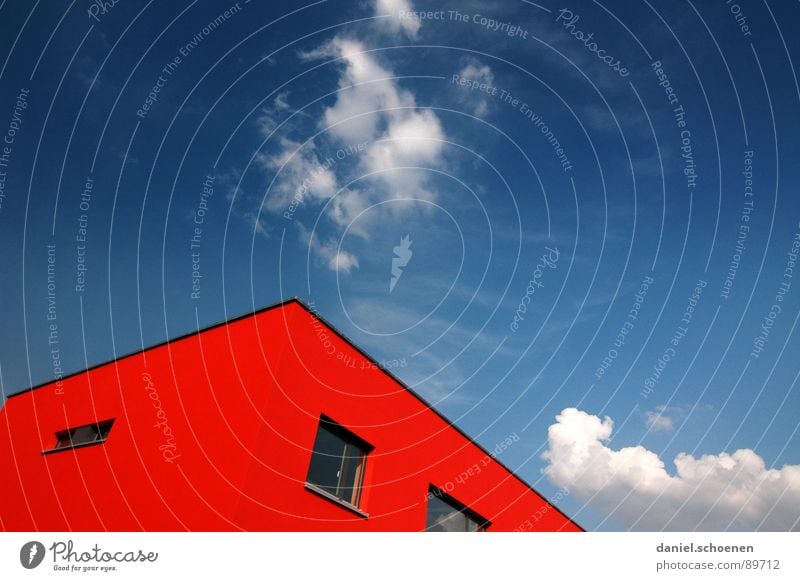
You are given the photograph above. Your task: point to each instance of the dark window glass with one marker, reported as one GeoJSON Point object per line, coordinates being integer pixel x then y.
{"type": "Point", "coordinates": [337, 462]}
{"type": "Point", "coordinates": [64, 440]}
{"type": "Point", "coordinates": [447, 515]}
{"type": "Point", "coordinates": [326, 461]}
{"type": "Point", "coordinates": [83, 435]}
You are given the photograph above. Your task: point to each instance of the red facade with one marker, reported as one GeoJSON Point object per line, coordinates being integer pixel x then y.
{"type": "Point", "coordinates": [215, 431]}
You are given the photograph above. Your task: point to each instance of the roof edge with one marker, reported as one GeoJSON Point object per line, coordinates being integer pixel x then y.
{"type": "Point", "coordinates": [314, 313]}
{"type": "Point", "coordinates": [235, 319]}
{"type": "Point", "coordinates": [427, 404]}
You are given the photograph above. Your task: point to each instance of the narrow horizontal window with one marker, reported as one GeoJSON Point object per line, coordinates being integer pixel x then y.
{"type": "Point", "coordinates": [445, 514]}
{"type": "Point", "coordinates": [82, 435]}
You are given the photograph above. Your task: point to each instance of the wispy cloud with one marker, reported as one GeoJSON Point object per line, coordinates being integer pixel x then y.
{"type": "Point", "coordinates": [301, 175]}
{"type": "Point", "coordinates": [658, 421]}
{"type": "Point", "coordinates": [664, 418]}
{"type": "Point", "coordinates": [477, 72]}
{"type": "Point", "coordinates": [328, 252]}
{"type": "Point", "coordinates": [371, 112]}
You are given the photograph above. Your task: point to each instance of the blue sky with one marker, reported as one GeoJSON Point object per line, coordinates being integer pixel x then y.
{"type": "Point", "coordinates": [546, 180]}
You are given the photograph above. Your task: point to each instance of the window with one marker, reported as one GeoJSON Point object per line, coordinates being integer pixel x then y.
{"type": "Point", "coordinates": [337, 462]}
{"type": "Point", "coordinates": [445, 514]}
{"type": "Point", "coordinates": [82, 435]}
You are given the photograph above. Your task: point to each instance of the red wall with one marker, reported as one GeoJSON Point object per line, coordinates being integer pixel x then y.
{"type": "Point", "coordinates": [214, 432]}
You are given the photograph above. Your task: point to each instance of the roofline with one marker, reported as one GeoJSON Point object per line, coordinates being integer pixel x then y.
{"type": "Point", "coordinates": [450, 424]}
{"type": "Point", "coordinates": [157, 345]}
{"type": "Point", "coordinates": [345, 338]}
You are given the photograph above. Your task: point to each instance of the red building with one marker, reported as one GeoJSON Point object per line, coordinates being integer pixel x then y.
{"type": "Point", "coordinates": [273, 421]}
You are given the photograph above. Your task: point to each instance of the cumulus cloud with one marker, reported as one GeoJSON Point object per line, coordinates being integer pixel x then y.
{"type": "Point", "coordinates": [713, 492]}
{"type": "Point", "coordinates": [397, 16]}
{"type": "Point", "coordinates": [480, 73]}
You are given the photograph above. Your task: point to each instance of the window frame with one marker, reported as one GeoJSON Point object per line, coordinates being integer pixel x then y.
{"type": "Point", "coordinates": [482, 524]}
{"type": "Point", "coordinates": [349, 439]}
{"type": "Point", "coordinates": [64, 437]}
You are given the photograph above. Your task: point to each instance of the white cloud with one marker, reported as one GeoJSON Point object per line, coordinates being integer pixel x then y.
{"type": "Point", "coordinates": [372, 108]}
{"type": "Point", "coordinates": [411, 139]}
{"type": "Point", "coordinates": [366, 87]}
{"type": "Point", "coordinates": [329, 253]}
{"type": "Point", "coordinates": [714, 492]}
{"type": "Point", "coordinates": [376, 117]}
{"type": "Point", "coordinates": [281, 101]}
{"type": "Point", "coordinates": [346, 208]}
{"type": "Point", "coordinates": [475, 71]}
{"type": "Point", "coordinates": [267, 121]}
{"type": "Point", "coordinates": [399, 18]}
{"type": "Point", "coordinates": [657, 420]}
{"type": "Point", "coordinates": [301, 176]}
{"type": "Point", "coordinates": [387, 117]}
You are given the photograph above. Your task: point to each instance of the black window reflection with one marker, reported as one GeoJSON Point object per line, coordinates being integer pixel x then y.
{"type": "Point", "coordinates": [83, 435]}
{"type": "Point", "coordinates": [447, 515]}
{"type": "Point", "coordinates": [337, 462]}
